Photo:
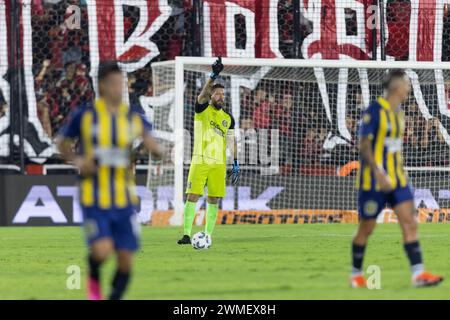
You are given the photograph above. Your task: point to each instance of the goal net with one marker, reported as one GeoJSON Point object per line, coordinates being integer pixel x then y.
{"type": "Point", "coordinates": [296, 123]}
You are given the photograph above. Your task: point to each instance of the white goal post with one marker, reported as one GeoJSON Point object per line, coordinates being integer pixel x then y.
{"type": "Point", "coordinates": [329, 87]}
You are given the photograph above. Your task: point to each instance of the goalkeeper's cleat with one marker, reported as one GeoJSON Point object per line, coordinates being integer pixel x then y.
{"type": "Point", "coordinates": [185, 240]}
{"type": "Point", "coordinates": [358, 281]}
{"type": "Point", "coordinates": [426, 279]}
{"type": "Point", "coordinates": [94, 291]}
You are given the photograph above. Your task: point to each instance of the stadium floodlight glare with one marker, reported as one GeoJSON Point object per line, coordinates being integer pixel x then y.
{"type": "Point", "coordinates": [323, 100]}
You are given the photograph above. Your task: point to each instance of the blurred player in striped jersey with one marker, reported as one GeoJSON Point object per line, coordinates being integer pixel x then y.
{"type": "Point", "coordinates": [106, 130]}
{"type": "Point", "coordinates": [382, 179]}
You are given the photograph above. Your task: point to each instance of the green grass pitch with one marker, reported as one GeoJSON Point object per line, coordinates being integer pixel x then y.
{"type": "Point", "coordinates": [245, 262]}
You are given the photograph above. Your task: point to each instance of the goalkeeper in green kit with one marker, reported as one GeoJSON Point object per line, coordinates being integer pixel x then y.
{"type": "Point", "coordinates": [212, 126]}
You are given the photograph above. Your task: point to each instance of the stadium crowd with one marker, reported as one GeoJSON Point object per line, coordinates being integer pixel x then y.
{"type": "Point", "coordinates": [61, 78]}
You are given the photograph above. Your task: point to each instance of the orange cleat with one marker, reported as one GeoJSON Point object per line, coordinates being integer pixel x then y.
{"type": "Point", "coordinates": [358, 281]}
{"type": "Point", "coordinates": [426, 279]}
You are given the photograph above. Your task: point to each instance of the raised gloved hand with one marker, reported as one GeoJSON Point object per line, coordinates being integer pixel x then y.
{"type": "Point", "coordinates": [216, 67]}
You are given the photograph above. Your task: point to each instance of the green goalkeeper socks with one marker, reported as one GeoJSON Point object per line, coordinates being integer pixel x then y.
{"type": "Point", "coordinates": [211, 216]}
{"type": "Point", "coordinates": [189, 215]}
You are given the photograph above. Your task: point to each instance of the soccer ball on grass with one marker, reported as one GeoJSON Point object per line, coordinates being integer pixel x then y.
{"type": "Point", "coordinates": [201, 241]}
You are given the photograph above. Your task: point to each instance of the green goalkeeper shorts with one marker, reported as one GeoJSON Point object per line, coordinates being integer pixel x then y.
{"type": "Point", "coordinates": [212, 176]}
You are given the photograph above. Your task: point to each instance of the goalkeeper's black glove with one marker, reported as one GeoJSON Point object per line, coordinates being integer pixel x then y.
{"type": "Point", "coordinates": [233, 174]}
{"type": "Point", "coordinates": [216, 67]}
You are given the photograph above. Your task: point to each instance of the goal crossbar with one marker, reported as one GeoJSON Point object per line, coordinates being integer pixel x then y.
{"type": "Point", "coordinates": [312, 63]}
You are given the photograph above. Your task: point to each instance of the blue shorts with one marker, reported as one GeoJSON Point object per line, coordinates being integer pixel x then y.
{"type": "Point", "coordinates": [371, 203]}
{"type": "Point", "coordinates": [120, 225]}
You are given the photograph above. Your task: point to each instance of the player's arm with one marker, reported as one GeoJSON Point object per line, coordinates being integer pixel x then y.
{"type": "Point", "coordinates": [65, 142]}
{"type": "Point", "coordinates": [156, 150]}
{"type": "Point", "coordinates": [367, 131]}
{"type": "Point", "coordinates": [205, 94]}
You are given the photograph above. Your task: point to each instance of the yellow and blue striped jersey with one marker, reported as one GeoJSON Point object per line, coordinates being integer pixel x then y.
{"type": "Point", "coordinates": [385, 128]}
{"type": "Point", "coordinates": [107, 138]}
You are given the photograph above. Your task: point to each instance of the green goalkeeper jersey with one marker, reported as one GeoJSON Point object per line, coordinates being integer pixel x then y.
{"type": "Point", "coordinates": [211, 127]}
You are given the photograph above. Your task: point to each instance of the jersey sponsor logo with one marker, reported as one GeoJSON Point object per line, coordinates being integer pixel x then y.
{"type": "Point", "coordinates": [217, 128]}
{"type": "Point", "coordinates": [113, 157]}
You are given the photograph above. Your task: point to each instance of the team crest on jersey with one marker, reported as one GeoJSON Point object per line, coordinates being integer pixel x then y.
{"type": "Point", "coordinates": [366, 118]}
{"type": "Point", "coordinates": [225, 123]}
{"type": "Point", "coordinates": [370, 207]}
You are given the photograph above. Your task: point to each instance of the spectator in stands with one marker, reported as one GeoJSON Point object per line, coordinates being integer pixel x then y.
{"type": "Point", "coordinates": [261, 110]}
{"type": "Point", "coordinates": [149, 92]}
{"type": "Point", "coordinates": [42, 82]}
{"type": "Point", "coordinates": [55, 45]}
{"type": "Point", "coordinates": [42, 85]}
{"type": "Point", "coordinates": [355, 104]}
{"type": "Point", "coordinates": [246, 102]}
{"type": "Point", "coordinates": [64, 96]}
{"type": "Point", "coordinates": [433, 144]}
{"type": "Point", "coordinates": [414, 125]}
{"type": "Point", "coordinates": [312, 147]}
{"type": "Point", "coordinates": [41, 22]}
{"type": "Point", "coordinates": [43, 110]}
{"type": "Point", "coordinates": [67, 81]}
{"type": "Point", "coordinates": [282, 120]}
{"type": "Point", "coordinates": [137, 87]}
{"type": "Point", "coordinates": [249, 141]}
{"type": "Point", "coordinates": [352, 150]}
{"type": "Point", "coordinates": [72, 46]}
{"type": "Point", "coordinates": [131, 81]}
{"type": "Point", "coordinates": [246, 123]}
{"type": "Point", "coordinates": [82, 89]}
{"type": "Point", "coordinates": [424, 143]}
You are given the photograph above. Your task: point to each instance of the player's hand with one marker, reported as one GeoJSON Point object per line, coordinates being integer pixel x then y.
{"type": "Point", "coordinates": [217, 67]}
{"type": "Point", "coordinates": [86, 166]}
{"type": "Point", "coordinates": [383, 180]}
{"type": "Point", "coordinates": [233, 174]}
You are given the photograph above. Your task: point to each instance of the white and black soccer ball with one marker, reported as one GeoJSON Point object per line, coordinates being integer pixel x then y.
{"type": "Point", "coordinates": [201, 241]}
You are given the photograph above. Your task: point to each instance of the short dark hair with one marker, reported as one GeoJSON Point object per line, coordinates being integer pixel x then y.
{"type": "Point", "coordinates": [392, 76]}
{"type": "Point", "coordinates": [106, 68]}
{"type": "Point", "coordinates": [217, 86]}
